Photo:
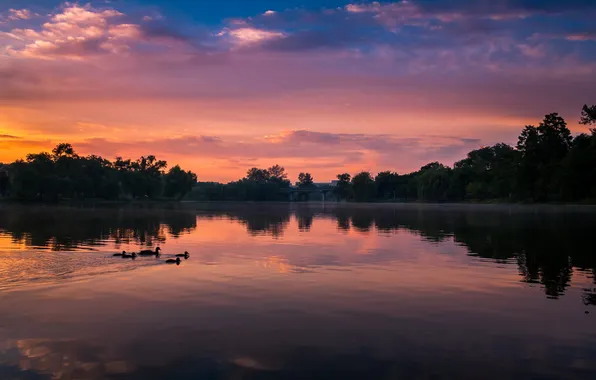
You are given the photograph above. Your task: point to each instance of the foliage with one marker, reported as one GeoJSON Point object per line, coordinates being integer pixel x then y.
{"type": "Point", "coordinates": [178, 182]}
{"type": "Point", "coordinates": [588, 115]}
{"type": "Point", "coordinates": [343, 190]}
{"type": "Point", "coordinates": [305, 180]}
{"type": "Point", "coordinates": [387, 185]}
{"type": "Point", "coordinates": [63, 174]}
{"type": "Point", "coordinates": [433, 182]}
{"type": "Point", "coordinates": [364, 187]}
{"type": "Point", "coordinates": [548, 164]}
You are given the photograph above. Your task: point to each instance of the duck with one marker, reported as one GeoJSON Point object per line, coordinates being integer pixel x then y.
{"type": "Point", "coordinates": [186, 255]}
{"type": "Point", "coordinates": [172, 261]}
{"type": "Point", "coordinates": [149, 252]}
{"type": "Point", "coordinates": [131, 256]}
{"type": "Point", "coordinates": [119, 254]}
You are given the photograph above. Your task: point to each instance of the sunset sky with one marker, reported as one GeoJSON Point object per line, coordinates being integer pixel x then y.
{"type": "Point", "coordinates": [324, 86]}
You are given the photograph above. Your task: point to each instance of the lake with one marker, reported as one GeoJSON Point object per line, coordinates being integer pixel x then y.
{"type": "Point", "coordinates": [301, 291]}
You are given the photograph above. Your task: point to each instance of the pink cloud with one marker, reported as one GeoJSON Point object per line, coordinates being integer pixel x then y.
{"type": "Point", "coordinates": [581, 37]}
{"type": "Point", "coordinates": [245, 36]}
{"type": "Point", "coordinates": [19, 14]}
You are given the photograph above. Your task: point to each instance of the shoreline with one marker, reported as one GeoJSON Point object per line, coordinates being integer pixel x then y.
{"type": "Point", "coordinates": [446, 206]}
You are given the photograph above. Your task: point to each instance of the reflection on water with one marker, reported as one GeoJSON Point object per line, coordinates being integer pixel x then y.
{"type": "Point", "coordinates": [298, 291]}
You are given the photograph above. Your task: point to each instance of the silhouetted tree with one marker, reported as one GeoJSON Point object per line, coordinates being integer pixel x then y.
{"type": "Point", "coordinates": [588, 115]}
{"type": "Point", "coordinates": [277, 172]}
{"type": "Point", "coordinates": [387, 184]}
{"type": "Point", "coordinates": [343, 189]}
{"type": "Point", "coordinates": [178, 182]}
{"type": "Point", "coordinates": [548, 164]}
{"type": "Point", "coordinates": [363, 186]}
{"type": "Point", "coordinates": [64, 174]}
{"type": "Point", "coordinates": [487, 173]}
{"type": "Point", "coordinates": [542, 149]}
{"type": "Point", "coordinates": [433, 182]}
{"type": "Point", "coordinates": [305, 180]}
{"type": "Point", "coordinates": [4, 181]}
{"type": "Point", "coordinates": [258, 175]}
{"type": "Point", "coordinates": [63, 150]}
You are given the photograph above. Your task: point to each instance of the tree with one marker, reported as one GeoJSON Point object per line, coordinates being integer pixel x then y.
{"type": "Point", "coordinates": [4, 181]}
{"type": "Point", "coordinates": [387, 184]}
{"type": "Point", "coordinates": [433, 182]}
{"type": "Point", "coordinates": [588, 115]}
{"type": "Point", "coordinates": [364, 187]}
{"type": "Point", "coordinates": [278, 175]}
{"type": "Point", "coordinates": [486, 173]}
{"type": "Point", "coordinates": [277, 172]}
{"type": "Point", "coordinates": [258, 175]}
{"type": "Point", "coordinates": [576, 177]}
{"type": "Point", "coordinates": [343, 189]}
{"type": "Point", "coordinates": [178, 182]}
{"type": "Point", "coordinates": [305, 180]}
{"type": "Point", "coordinates": [64, 174]}
{"type": "Point", "coordinates": [542, 148]}
{"type": "Point", "coordinates": [63, 150]}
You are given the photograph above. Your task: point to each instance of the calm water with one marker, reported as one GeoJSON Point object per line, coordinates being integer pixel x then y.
{"type": "Point", "coordinates": [298, 292]}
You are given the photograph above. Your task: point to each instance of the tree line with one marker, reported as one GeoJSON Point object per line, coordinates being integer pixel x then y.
{"type": "Point", "coordinates": [63, 174]}
{"type": "Point", "coordinates": [548, 164]}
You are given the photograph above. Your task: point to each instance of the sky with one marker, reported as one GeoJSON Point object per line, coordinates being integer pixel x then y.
{"type": "Point", "coordinates": [325, 86]}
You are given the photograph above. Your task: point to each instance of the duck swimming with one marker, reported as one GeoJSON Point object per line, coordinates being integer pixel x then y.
{"type": "Point", "coordinates": [119, 254]}
{"type": "Point", "coordinates": [172, 261]}
{"type": "Point", "coordinates": [127, 256]}
{"type": "Point", "coordinates": [149, 252]}
{"type": "Point", "coordinates": [186, 255]}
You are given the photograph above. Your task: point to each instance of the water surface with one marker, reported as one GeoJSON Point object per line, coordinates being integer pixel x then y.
{"type": "Point", "coordinates": [298, 291]}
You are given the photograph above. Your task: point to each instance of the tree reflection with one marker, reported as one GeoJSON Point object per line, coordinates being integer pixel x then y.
{"type": "Point", "coordinates": [548, 247]}
{"type": "Point", "coordinates": [67, 228]}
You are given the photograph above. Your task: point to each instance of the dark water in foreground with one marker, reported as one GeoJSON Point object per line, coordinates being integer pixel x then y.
{"type": "Point", "coordinates": [298, 292]}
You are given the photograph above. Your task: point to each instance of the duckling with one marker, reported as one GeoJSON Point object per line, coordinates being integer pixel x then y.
{"type": "Point", "coordinates": [119, 254]}
{"type": "Point", "coordinates": [131, 256]}
{"type": "Point", "coordinates": [186, 255]}
{"type": "Point", "coordinates": [172, 261]}
{"type": "Point", "coordinates": [149, 252]}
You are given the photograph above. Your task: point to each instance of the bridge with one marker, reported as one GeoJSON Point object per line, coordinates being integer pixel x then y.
{"type": "Point", "coordinates": [320, 191]}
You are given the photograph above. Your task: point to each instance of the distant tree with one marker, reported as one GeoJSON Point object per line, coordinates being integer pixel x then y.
{"type": "Point", "coordinates": [277, 172]}
{"type": "Point", "coordinates": [63, 150]}
{"type": "Point", "coordinates": [387, 184]}
{"type": "Point", "coordinates": [343, 189]}
{"type": "Point", "coordinates": [542, 148]}
{"type": "Point", "coordinates": [4, 181]}
{"type": "Point", "coordinates": [487, 173]}
{"type": "Point", "coordinates": [588, 115]}
{"type": "Point", "coordinates": [178, 182]}
{"type": "Point", "coordinates": [305, 180]}
{"type": "Point", "coordinates": [258, 175]}
{"type": "Point", "coordinates": [278, 175]}
{"type": "Point", "coordinates": [576, 175]}
{"type": "Point", "coordinates": [364, 187]}
{"type": "Point", "coordinates": [433, 182]}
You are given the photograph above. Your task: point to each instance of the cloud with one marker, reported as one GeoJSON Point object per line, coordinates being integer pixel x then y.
{"type": "Point", "coordinates": [249, 35]}
{"type": "Point", "coordinates": [80, 32]}
{"type": "Point", "coordinates": [75, 32]}
{"type": "Point", "coordinates": [19, 14]}
{"type": "Point", "coordinates": [9, 137]}
{"type": "Point", "coordinates": [581, 36]}
{"type": "Point", "coordinates": [390, 69]}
